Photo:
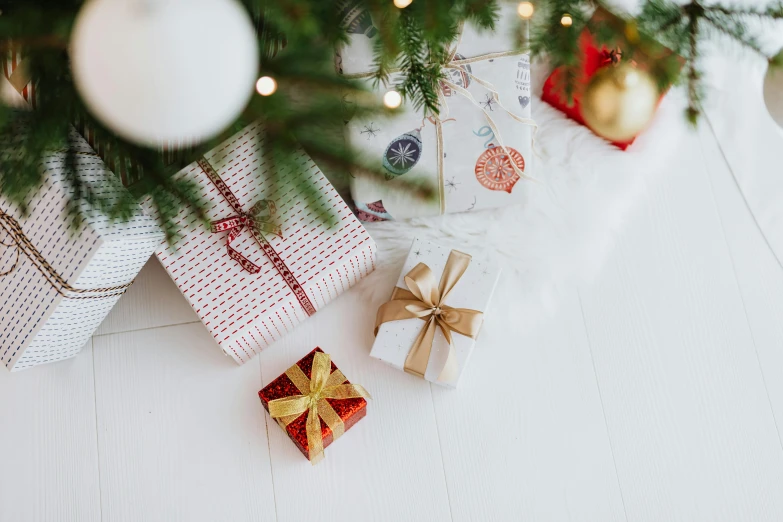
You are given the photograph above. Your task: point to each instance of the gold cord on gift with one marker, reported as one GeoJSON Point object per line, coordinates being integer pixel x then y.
{"type": "Point", "coordinates": [314, 391]}
{"type": "Point", "coordinates": [23, 245]}
{"type": "Point", "coordinates": [453, 63]}
{"type": "Point", "coordinates": [424, 299]}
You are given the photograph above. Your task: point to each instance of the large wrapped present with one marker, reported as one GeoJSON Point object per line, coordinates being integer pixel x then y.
{"type": "Point", "coordinates": [270, 259]}
{"type": "Point", "coordinates": [430, 325]}
{"type": "Point", "coordinates": [314, 403]}
{"type": "Point", "coordinates": [475, 152]}
{"type": "Point", "coordinates": [57, 284]}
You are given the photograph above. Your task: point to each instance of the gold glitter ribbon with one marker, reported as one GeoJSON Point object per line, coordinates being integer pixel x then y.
{"type": "Point", "coordinates": [22, 244]}
{"type": "Point", "coordinates": [453, 63]}
{"type": "Point", "coordinates": [424, 299]}
{"type": "Point", "coordinates": [314, 392]}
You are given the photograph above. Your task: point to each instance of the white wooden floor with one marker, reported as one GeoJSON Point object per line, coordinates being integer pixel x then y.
{"type": "Point", "coordinates": [655, 394]}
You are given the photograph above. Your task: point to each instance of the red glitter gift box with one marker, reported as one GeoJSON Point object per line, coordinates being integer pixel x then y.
{"type": "Point", "coordinates": [594, 57]}
{"type": "Point", "coordinates": [296, 382]}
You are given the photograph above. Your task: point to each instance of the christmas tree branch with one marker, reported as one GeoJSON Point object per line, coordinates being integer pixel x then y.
{"type": "Point", "coordinates": [313, 101]}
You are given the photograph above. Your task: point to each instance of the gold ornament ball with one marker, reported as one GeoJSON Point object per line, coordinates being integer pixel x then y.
{"type": "Point", "coordinates": [619, 102]}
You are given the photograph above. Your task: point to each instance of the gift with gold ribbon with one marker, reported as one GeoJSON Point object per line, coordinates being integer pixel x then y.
{"type": "Point", "coordinates": [475, 151]}
{"type": "Point", "coordinates": [431, 323]}
{"type": "Point", "coordinates": [314, 403]}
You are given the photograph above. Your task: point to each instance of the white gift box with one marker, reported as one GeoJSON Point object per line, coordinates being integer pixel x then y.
{"type": "Point", "coordinates": [57, 285]}
{"type": "Point", "coordinates": [297, 272]}
{"type": "Point", "coordinates": [476, 172]}
{"type": "Point", "coordinates": [473, 291]}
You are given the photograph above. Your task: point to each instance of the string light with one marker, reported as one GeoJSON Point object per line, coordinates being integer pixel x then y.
{"type": "Point", "coordinates": [566, 21]}
{"type": "Point", "coordinates": [525, 10]}
{"type": "Point", "coordinates": [392, 99]}
{"type": "Point", "coordinates": [266, 85]}
{"type": "Point", "coordinates": [402, 4]}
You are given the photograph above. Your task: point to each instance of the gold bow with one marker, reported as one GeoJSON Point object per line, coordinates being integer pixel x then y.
{"type": "Point", "coordinates": [315, 391]}
{"type": "Point", "coordinates": [425, 300]}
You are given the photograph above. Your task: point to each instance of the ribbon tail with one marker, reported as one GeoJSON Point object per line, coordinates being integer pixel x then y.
{"type": "Point", "coordinates": [315, 442]}
{"type": "Point", "coordinates": [450, 370]}
{"type": "Point", "coordinates": [419, 355]}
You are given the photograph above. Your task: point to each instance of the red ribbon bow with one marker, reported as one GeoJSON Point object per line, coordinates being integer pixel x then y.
{"type": "Point", "coordinates": [259, 221]}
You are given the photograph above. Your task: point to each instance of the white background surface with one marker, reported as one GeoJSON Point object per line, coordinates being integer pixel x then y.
{"type": "Point", "coordinates": [653, 394]}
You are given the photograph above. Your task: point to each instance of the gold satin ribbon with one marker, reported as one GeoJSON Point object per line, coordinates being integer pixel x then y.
{"type": "Point", "coordinates": [314, 393]}
{"type": "Point", "coordinates": [424, 299]}
{"type": "Point", "coordinates": [453, 63]}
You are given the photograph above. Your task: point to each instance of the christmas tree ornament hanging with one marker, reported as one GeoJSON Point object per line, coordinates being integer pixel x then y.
{"type": "Point", "coordinates": [356, 18]}
{"type": "Point", "coordinates": [619, 102]}
{"type": "Point", "coordinates": [164, 73]}
{"type": "Point", "coordinates": [773, 91]}
{"type": "Point", "coordinates": [402, 154]}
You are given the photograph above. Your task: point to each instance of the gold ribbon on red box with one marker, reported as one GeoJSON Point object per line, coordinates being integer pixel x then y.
{"type": "Point", "coordinates": [314, 391]}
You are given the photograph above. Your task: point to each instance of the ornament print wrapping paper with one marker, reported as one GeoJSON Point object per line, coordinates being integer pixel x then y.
{"type": "Point", "coordinates": [57, 285]}
{"type": "Point", "coordinates": [251, 287]}
{"type": "Point", "coordinates": [473, 291]}
{"type": "Point", "coordinates": [474, 172]}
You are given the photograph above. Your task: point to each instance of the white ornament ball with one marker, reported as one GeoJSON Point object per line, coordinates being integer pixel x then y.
{"type": "Point", "coordinates": [773, 93]}
{"type": "Point", "coordinates": [164, 72]}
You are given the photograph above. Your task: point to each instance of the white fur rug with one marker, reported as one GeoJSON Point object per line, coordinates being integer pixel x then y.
{"type": "Point", "coordinates": [584, 191]}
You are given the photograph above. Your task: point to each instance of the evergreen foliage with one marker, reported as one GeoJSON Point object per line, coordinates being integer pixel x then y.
{"type": "Point", "coordinates": [313, 100]}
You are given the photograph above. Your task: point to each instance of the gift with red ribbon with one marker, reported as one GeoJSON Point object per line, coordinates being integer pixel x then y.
{"type": "Point", "coordinates": [269, 259]}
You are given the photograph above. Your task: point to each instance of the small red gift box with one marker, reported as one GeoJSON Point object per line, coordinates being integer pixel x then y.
{"type": "Point", "coordinates": [314, 403]}
{"type": "Point", "coordinates": [594, 57]}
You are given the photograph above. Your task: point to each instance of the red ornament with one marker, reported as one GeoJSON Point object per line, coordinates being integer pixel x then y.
{"type": "Point", "coordinates": [495, 168]}
{"type": "Point", "coordinates": [594, 57]}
